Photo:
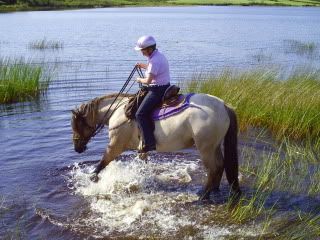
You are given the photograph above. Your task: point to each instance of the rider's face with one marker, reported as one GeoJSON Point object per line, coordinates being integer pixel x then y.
{"type": "Point", "coordinates": [146, 52]}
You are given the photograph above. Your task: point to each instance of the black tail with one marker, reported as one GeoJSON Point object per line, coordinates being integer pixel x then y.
{"type": "Point", "coordinates": [231, 164]}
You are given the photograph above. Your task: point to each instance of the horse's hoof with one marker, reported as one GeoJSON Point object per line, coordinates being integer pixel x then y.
{"type": "Point", "coordinates": [236, 193]}
{"type": "Point", "coordinates": [235, 197]}
{"type": "Point", "coordinates": [94, 177]}
{"type": "Point", "coordinates": [216, 190]}
{"type": "Point", "coordinates": [143, 156]}
{"type": "Point", "coordinates": [205, 196]}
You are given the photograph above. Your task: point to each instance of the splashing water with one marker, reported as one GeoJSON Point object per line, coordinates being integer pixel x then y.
{"type": "Point", "coordinates": [144, 199]}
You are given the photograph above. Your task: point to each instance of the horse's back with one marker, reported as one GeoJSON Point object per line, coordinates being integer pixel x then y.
{"type": "Point", "coordinates": [206, 117]}
{"type": "Point", "coordinates": [209, 117]}
{"type": "Point", "coordinates": [208, 101]}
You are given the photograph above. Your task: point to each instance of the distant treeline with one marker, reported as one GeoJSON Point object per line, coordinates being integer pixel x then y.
{"type": "Point", "coordinates": [35, 3]}
{"type": "Point", "coordinates": [20, 5]}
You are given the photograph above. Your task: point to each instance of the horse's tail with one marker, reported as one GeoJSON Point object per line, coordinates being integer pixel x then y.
{"type": "Point", "coordinates": [231, 164]}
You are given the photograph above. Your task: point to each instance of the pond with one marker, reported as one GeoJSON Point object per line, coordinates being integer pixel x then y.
{"type": "Point", "coordinates": [44, 187]}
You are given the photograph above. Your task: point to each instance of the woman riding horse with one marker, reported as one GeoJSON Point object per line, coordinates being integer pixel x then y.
{"type": "Point", "coordinates": [207, 123]}
{"type": "Point", "coordinates": [158, 80]}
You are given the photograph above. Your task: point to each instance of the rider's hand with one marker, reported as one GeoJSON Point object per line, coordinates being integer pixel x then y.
{"type": "Point", "coordinates": [141, 65]}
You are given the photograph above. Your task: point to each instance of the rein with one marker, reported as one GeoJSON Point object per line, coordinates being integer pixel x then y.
{"type": "Point", "coordinates": [101, 125]}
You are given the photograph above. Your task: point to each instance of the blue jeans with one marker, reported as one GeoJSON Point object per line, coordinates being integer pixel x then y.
{"type": "Point", "coordinates": [144, 114]}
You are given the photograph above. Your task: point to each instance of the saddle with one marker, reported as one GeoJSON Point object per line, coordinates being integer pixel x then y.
{"type": "Point", "coordinates": [171, 98]}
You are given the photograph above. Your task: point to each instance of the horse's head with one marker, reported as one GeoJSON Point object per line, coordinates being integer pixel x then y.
{"type": "Point", "coordinates": [82, 130]}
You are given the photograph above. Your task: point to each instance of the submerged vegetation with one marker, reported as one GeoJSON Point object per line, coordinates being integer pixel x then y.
{"type": "Point", "coordinates": [288, 107]}
{"type": "Point", "coordinates": [19, 5]}
{"type": "Point", "coordinates": [22, 80]}
{"type": "Point", "coordinates": [45, 44]}
{"type": "Point", "coordinates": [301, 48]}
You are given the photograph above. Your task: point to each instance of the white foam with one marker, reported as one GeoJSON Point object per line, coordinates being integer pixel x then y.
{"type": "Point", "coordinates": [144, 199]}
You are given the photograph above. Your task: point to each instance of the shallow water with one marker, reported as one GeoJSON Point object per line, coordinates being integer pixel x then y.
{"type": "Point", "coordinates": [44, 186]}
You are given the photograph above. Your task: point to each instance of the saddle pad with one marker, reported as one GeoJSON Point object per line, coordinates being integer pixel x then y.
{"type": "Point", "coordinates": [165, 112]}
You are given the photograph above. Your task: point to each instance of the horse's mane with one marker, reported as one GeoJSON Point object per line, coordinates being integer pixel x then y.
{"type": "Point", "coordinates": [113, 95]}
{"type": "Point", "coordinates": [91, 107]}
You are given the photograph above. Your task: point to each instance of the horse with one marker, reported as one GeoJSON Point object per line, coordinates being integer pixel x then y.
{"type": "Point", "coordinates": [208, 124]}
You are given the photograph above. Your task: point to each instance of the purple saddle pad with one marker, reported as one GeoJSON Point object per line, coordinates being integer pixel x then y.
{"type": "Point", "coordinates": [165, 112]}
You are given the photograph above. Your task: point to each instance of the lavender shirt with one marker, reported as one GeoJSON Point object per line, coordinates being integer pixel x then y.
{"type": "Point", "coordinates": [158, 66]}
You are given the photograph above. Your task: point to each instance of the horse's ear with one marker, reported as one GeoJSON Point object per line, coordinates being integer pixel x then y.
{"type": "Point", "coordinates": [75, 113]}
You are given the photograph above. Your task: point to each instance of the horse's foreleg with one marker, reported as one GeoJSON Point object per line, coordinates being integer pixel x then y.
{"type": "Point", "coordinates": [114, 149]}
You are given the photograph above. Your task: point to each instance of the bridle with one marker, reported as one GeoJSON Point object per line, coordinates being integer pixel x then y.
{"type": "Point", "coordinates": [79, 136]}
{"type": "Point", "coordinates": [96, 129]}
{"type": "Point", "coordinates": [101, 124]}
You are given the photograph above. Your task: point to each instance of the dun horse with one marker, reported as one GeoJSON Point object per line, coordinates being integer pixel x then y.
{"type": "Point", "coordinates": [208, 124]}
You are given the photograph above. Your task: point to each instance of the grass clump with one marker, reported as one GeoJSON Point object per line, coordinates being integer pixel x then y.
{"type": "Point", "coordinates": [300, 48]}
{"type": "Point", "coordinates": [45, 44]}
{"type": "Point", "coordinates": [22, 80]}
{"type": "Point", "coordinates": [281, 194]}
{"type": "Point", "coordinates": [288, 107]}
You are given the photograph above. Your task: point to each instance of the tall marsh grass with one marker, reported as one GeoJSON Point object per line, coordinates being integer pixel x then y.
{"type": "Point", "coordinates": [280, 193]}
{"type": "Point", "coordinates": [300, 48]}
{"type": "Point", "coordinates": [22, 80]}
{"type": "Point", "coordinates": [45, 44]}
{"type": "Point", "coordinates": [289, 108]}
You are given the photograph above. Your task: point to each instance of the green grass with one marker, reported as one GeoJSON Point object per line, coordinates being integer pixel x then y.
{"type": "Point", "coordinates": [45, 44]}
{"type": "Point", "coordinates": [289, 172]}
{"type": "Point", "coordinates": [21, 5]}
{"type": "Point", "coordinates": [22, 80]}
{"type": "Point", "coordinates": [277, 189]}
{"type": "Point", "coordinates": [288, 108]}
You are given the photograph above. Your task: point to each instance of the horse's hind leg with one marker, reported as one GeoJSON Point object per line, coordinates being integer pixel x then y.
{"type": "Point", "coordinates": [219, 170]}
{"type": "Point", "coordinates": [214, 164]}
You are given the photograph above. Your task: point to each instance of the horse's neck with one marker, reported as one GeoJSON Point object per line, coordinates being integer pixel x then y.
{"type": "Point", "coordinates": [107, 107]}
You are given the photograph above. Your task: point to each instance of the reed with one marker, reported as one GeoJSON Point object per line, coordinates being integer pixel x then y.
{"type": "Point", "coordinates": [275, 178]}
{"type": "Point", "coordinates": [45, 44]}
{"type": "Point", "coordinates": [22, 80]}
{"type": "Point", "coordinates": [288, 107]}
{"type": "Point", "coordinates": [301, 226]}
{"type": "Point", "coordinates": [300, 48]}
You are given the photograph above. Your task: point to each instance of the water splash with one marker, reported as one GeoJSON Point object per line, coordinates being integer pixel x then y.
{"type": "Point", "coordinates": [156, 199]}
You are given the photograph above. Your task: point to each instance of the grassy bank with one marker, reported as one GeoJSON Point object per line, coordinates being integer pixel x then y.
{"type": "Point", "coordinates": [22, 5]}
{"type": "Point", "coordinates": [21, 80]}
{"type": "Point", "coordinates": [288, 107]}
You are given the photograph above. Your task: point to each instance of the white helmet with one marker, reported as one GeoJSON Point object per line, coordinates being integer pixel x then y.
{"type": "Point", "coordinates": [144, 42]}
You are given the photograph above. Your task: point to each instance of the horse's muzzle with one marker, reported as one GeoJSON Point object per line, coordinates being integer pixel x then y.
{"type": "Point", "coordinates": [80, 149]}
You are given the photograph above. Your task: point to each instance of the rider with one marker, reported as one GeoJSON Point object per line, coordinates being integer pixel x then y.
{"type": "Point", "coordinates": [157, 80]}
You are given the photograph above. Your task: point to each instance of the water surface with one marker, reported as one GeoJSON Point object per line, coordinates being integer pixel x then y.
{"type": "Point", "coordinates": [44, 189]}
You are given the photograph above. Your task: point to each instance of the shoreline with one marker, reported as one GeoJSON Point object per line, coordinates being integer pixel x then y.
{"type": "Point", "coordinates": [24, 8]}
